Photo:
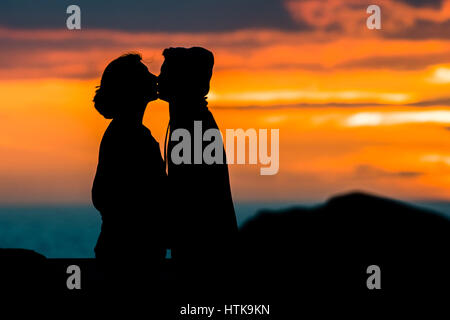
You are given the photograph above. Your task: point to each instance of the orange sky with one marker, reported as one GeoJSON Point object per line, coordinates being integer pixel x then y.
{"type": "Point", "coordinates": [355, 109]}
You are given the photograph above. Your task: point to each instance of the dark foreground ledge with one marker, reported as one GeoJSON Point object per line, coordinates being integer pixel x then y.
{"type": "Point", "coordinates": [301, 254]}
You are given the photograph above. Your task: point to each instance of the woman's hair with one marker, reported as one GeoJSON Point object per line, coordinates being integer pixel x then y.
{"type": "Point", "coordinates": [124, 83]}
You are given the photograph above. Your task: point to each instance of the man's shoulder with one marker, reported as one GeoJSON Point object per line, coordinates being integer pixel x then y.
{"type": "Point", "coordinates": [207, 118]}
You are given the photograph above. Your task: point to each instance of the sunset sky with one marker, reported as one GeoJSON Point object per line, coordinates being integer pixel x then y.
{"type": "Point", "coordinates": [356, 108]}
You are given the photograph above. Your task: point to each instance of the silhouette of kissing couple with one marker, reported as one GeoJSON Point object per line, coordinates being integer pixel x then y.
{"type": "Point", "coordinates": [144, 210]}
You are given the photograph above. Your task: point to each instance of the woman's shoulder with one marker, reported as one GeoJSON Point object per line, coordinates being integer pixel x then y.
{"type": "Point", "coordinates": [117, 135]}
{"type": "Point", "coordinates": [117, 139]}
{"type": "Point", "coordinates": [112, 133]}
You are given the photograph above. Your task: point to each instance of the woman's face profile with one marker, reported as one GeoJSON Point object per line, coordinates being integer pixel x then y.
{"type": "Point", "coordinates": [150, 85]}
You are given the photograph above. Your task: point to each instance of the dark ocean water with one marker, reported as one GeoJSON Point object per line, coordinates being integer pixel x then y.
{"type": "Point", "coordinates": [72, 231]}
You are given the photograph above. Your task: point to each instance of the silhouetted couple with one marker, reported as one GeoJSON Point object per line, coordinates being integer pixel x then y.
{"type": "Point", "coordinates": [144, 210]}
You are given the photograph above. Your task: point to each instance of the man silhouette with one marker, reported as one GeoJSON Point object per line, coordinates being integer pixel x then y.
{"type": "Point", "coordinates": [199, 194]}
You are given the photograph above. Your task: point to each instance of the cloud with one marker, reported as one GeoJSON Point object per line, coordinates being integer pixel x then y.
{"type": "Point", "coordinates": [437, 158]}
{"type": "Point", "coordinates": [400, 18]}
{"type": "Point", "coordinates": [397, 62]}
{"type": "Point", "coordinates": [441, 75]}
{"type": "Point", "coordinates": [444, 102]}
{"type": "Point", "coordinates": [369, 119]}
{"type": "Point", "coordinates": [316, 96]}
{"type": "Point", "coordinates": [328, 14]}
{"type": "Point", "coordinates": [60, 53]}
{"type": "Point", "coordinates": [431, 103]}
{"type": "Point", "coordinates": [163, 15]}
{"type": "Point", "coordinates": [423, 3]}
{"type": "Point", "coordinates": [422, 29]}
{"type": "Point", "coordinates": [254, 68]}
{"type": "Point", "coordinates": [369, 172]}
{"type": "Point", "coordinates": [407, 18]}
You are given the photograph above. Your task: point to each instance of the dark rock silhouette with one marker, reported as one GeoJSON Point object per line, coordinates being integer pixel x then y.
{"type": "Point", "coordinates": [22, 271]}
{"type": "Point", "coordinates": [325, 250]}
{"type": "Point", "coordinates": [7, 255]}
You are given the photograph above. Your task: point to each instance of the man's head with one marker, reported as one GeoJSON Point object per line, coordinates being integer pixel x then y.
{"type": "Point", "coordinates": [185, 73]}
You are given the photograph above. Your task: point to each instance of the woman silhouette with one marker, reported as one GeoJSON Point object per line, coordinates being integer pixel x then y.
{"type": "Point", "coordinates": [130, 181]}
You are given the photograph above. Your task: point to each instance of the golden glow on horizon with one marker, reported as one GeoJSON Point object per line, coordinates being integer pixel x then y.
{"type": "Point", "coordinates": [441, 75]}
{"type": "Point", "coordinates": [245, 98]}
{"type": "Point", "coordinates": [53, 133]}
{"type": "Point", "coordinates": [392, 118]}
{"type": "Point", "coordinates": [363, 133]}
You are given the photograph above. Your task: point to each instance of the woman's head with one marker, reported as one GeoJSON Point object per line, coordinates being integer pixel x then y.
{"type": "Point", "coordinates": [126, 87]}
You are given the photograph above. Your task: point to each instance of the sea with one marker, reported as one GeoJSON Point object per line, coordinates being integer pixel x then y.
{"type": "Point", "coordinates": [72, 231]}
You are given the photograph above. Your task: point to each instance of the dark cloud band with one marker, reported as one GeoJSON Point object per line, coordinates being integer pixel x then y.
{"type": "Point", "coordinates": [165, 15]}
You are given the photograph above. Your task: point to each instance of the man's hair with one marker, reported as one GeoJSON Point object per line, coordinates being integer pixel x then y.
{"type": "Point", "coordinates": [192, 68]}
{"type": "Point", "coordinates": [122, 82]}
